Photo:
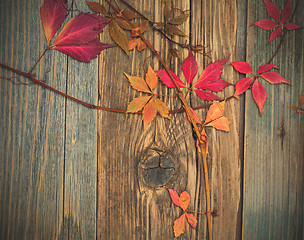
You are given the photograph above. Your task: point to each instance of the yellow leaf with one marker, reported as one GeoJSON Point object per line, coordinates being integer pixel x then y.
{"type": "Point", "coordinates": [137, 104]}
{"type": "Point", "coordinates": [162, 108]}
{"type": "Point", "coordinates": [149, 112]}
{"type": "Point", "coordinates": [138, 83]}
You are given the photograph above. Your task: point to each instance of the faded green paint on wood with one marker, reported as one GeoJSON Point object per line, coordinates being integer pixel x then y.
{"type": "Point", "coordinates": [48, 144]}
{"type": "Point", "coordinates": [274, 142]}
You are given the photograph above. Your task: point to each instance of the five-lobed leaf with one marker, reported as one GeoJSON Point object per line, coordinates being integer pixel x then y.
{"type": "Point", "coordinates": [52, 14]}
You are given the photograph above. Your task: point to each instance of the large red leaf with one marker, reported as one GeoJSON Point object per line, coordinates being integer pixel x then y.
{"type": "Point", "coordinates": [174, 197]}
{"type": "Point", "coordinates": [273, 10]}
{"type": "Point", "coordinates": [179, 225]}
{"type": "Point", "coordinates": [191, 220]}
{"type": "Point", "coordinates": [266, 67]}
{"type": "Point", "coordinates": [52, 14]}
{"type": "Point", "coordinates": [242, 85]}
{"type": "Point", "coordinates": [242, 67]}
{"type": "Point", "coordinates": [259, 95]}
{"type": "Point", "coordinates": [211, 74]}
{"type": "Point", "coordinates": [286, 12]}
{"type": "Point", "coordinates": [81, 29]}
{"type": "Point", "coordinates": [206, 96]}
{"type": "Point", "coordinates": [85, 52]}
{"type": "Point", "coordinates": [165, 78]}
{"type": "Point", "coordinates": [265, 24]}
{"type": "Point", "coordinates": [274, 78]}
{"type": "Point", "coordinates": [292, 26]}
{"type": "Point", "coordinates": [275, 34]}
{"type": "Point", "coordinates": [190, 67]}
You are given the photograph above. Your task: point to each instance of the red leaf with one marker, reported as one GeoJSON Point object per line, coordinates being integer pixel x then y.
{"type": "Point", "coordinates": [242, 85]}
{"type": "Point", "coordinates": [165, 78]}
{"type": "Point", "coordinates": [206, 96]}
{"type": "Point", "coordinates": [52, 14]}
{"type": "Point", "coordinates": [191, 220]}
{"type": "Point", "coordinates": [84, 52]}
{"type": "Point", "coordinates": [215, 86]}
{"type": "Point", "coordinates": [274, 78]}
{"type": "Point", "coordinates": [242, 67]}
{"type": "Point", "coordinates": [174, 197]}
{"type": "Point", "coordinates": [221, 123]}
{"type": "Point", "coordinates": [265, 24]}
{"type": "Point", "coordinates": [149, 112]}
{"type": "Point", "coordinates": [275, 34]}
{"type": "Point", "coordinates": [211, 73]}
{"type": "Point", "coordinates": [179, 225]}
{"type": "Point", "coordinates": [286, 12]}
{"type": "Point", "coordinates": [266, 67]}
{"type": "Point", "coordinates": [190, 67]}
{"type": "Point", "coordinates": [81, 29]}
{"type": "Point", "coordinates": [196, 119]}
{"type": "Point", "coordinates": [292, 26]}
{"type": "Point", "coordinates": [259, 95]}
{"type": "Point", "coordinates": [184, 200]}
{"type": "Point", "coordinates": [215, 111]}
{"type": "Point", "coordinates": [272, 10]}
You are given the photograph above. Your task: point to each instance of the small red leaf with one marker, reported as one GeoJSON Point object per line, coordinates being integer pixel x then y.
{"type": "Point", "coordinates": [215, 111]}
{"type": "Point", "coordinates": [190, 67]}
{"type": "Point", "coordinates": [149, 112]}
{"type": "Point", "coordinates": [259, 95]}
{"type": "Point", "coordinates": [286, 12]}
{"type": "Point", "coordinates": [84, 52]}
{"type": "Point", "coordinates": [165, 78]}
{"type": "Point", "coordinates": [137, 104]}
{"type": "Point", "coordinates": [242, 67]}
{"type": "Point", "coordinates": [52, 14]}
{"type": "Point", "coordinates": [214, 86]}
{"type": "Point", "coordinates": [138, 83]}
{"type": "Point", "coordinates": [179, 225]}
{"type": "Point", "coordinates": [184, 200]}
{"type": "Point", "coordinates": [221, 123]}
{"type": "Point", "coordinates": [274, 78]}
{"type": "Point", "coordinates": [206, 96]}
{"type": "Point", "coordinates": [292, 26]}
{"type": "Point", "coordinates": [151, 78]}
{"type": "Point", "coordinates": [81, 29]}
{"type": "Point", "coordinates": [242, 85]}
{"type": "Point", "coordinates": [275, 34]}
{"type": "Point", "coordinates": [266, 67]}
{"type": "Point", "coordinates": [265, 24]}
{"type": "Point", "coordinates": [273, 10]}
{"type": "Point", "coordinates": [211, 73]}
{"type": "Point", "coordinates": [174, 197]}
{"type": "Point", "coordinates": [191, 220]}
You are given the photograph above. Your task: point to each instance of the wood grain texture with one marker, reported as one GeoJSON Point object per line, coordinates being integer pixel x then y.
{"type": "Point", "coordinates": [126, 210]}
{"type": "Point", "coordinates": [274, 143]}
{"type": "Point", "coordinates": [48, 179]}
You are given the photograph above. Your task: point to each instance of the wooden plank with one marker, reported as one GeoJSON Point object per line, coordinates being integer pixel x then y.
{"type": "Point", "coordinates": [129, 209]}
{"type": "Point", "coordinates": [48, 145]}
{"type": "Point", "coordinates": [274, 143]}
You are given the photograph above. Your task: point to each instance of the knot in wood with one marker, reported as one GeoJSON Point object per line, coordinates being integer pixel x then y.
{"type": "Point", "coordinates": [157, 168]}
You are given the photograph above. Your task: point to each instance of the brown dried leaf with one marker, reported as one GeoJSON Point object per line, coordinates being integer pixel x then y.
{"type": "Point", "coordinates": [129, 15]}
{"type": "Point", "coordinates": [180, 19]}
{"type": "Point", "coordinates": [301, 99]}
{"type": "Point", "coordinates": [119, 36]}
{"type": "Point", "coordinates": [123, 24]}
{"type": "Point", "coordinates": [97, 7]}
{"type": "Point", "coordinates": [174, 31]}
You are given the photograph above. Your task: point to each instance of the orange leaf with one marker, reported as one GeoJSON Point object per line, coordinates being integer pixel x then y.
{"type": "Point", "coordinates": [151, 78]}
{"type": "Point", "coordinates": [137, 104]}
{"type": "Point", "coordinates": [149, 112]}
{"type": "Point", "coordinates": [184, 200]}
{"type": "Point", "coordinates": [204, 140]}
{"type": "Point", "coordinates": [162, 108]}
{"type": "Point", "coordinates": [215, 111]}
{"type": "Point", "coordinates": [138, 83]}
{"type": "Point", "coordinates": [141, 45]}
{"type": "Point", "coordinates": [174, 197]}
{"type": "Point", "coordinates": [133, 43]}
{"type": "Point", "coordinates": [301, 99]}
{"type": "Point", "coordinates": [179, 226]}
{"type": "Point", "coordinates": [191, 220]}
{"type": "Point", "coordinates": [221, 123]}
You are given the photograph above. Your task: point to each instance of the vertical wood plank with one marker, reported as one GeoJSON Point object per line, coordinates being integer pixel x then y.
{"type": "Point", "coordinates": [274, 143]}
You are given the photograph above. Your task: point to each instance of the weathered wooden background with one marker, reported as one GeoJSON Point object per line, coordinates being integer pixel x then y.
{"type": "Point", "coordinates": [69, 172]}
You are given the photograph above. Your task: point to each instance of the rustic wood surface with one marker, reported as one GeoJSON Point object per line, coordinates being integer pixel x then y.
{"type": "Point", "coordinates": [69, 172]}
{"type": "Point", "coordinates": [274, 143]}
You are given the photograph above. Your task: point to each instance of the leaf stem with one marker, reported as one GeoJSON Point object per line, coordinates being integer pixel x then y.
{"type": "Point", "coordinates": [38, 60]}
{"type": "Point", "coordinates": [203, 213]}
